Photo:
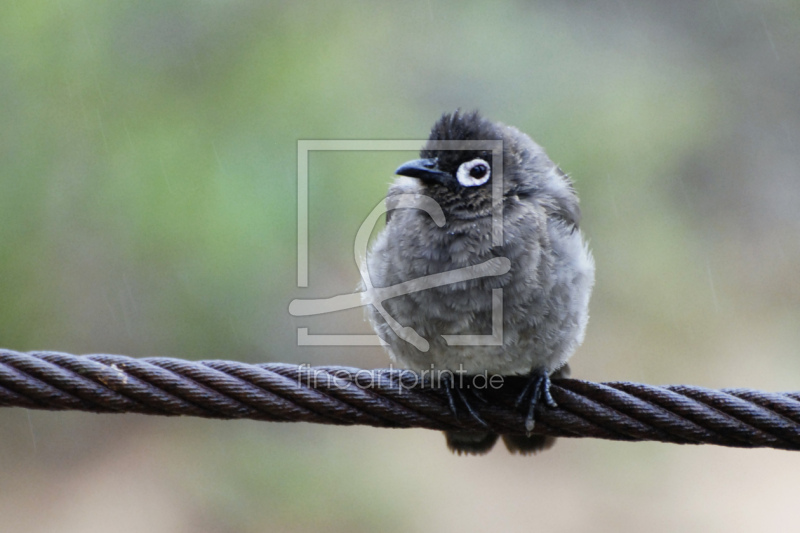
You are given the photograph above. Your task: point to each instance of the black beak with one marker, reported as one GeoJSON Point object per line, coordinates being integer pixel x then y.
{"type": "Point", "coordinates": [424, 169]}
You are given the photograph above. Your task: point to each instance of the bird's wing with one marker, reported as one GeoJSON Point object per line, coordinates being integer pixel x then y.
{"type": "Point", "coordinates": [564, 200]}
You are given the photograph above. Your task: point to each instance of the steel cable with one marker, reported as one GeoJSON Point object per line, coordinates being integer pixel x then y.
{"type": "Point", "coordinates": [391, 398]}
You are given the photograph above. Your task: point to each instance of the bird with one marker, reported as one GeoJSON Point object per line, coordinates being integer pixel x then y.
{"type": "Point", "coordinates": [545, 290]}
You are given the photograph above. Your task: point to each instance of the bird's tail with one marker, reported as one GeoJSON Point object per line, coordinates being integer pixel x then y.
{"type": "Point", "coordinates": [480, 442]}
{"type": "Point", "coordinates": [528, 445]}
{"type": "Point", "coordinates": [470, 442]}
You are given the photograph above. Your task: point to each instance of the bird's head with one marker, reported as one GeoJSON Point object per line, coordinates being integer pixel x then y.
{"type": "Point", "coordinates": [459, 173]}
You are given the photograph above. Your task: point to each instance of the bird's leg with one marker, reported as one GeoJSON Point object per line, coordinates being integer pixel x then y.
{"type": "Point", "coordinates": [453, 391]}
{"type": "Point", "coordinates": [479, 395]}
{"type": "Point", "coordinates": [447, 385]}
{"type": "Point", "coordinates": [536, 390]}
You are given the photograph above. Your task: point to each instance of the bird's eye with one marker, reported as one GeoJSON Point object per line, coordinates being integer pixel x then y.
{"type": "Point", "coordinates": [478, 171]}
{"type": "Point", "coordinates": [473, 173]}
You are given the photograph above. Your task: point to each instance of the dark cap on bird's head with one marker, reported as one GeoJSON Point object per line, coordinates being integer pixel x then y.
{"type": "Point", "coordinates": [459, 126]}
{"type": "Point", "coordinates": [466, 174]}
{"type": "Point", "coordinates": [440, 165]}
{"type": "Point", "coordinates": [461, 179]}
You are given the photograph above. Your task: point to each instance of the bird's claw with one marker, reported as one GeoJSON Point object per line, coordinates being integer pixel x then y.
{"type": "Point", "coordinates": [453, 391]}
{"type": "Point", "coordinates": [536, 391]}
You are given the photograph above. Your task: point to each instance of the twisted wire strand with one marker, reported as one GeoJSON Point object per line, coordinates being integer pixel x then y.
{"type": "Point", "coordinates": [390, 398]}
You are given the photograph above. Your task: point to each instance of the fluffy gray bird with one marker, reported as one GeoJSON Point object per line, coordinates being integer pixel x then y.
{"type": "Point", "coordinates": [545, 292]}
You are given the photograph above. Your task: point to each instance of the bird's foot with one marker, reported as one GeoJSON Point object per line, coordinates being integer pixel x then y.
{"type": "Point", "coordinates": [536, 391]}
{"type": "Point", "coordinates": [457, 393]}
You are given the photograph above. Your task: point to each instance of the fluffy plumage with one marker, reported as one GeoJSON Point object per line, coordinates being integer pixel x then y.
{"type": "Point", "coordinates": [546, 292]}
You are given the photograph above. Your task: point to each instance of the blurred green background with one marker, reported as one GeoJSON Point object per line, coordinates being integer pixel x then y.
{"type": "Point", "coordinates": [148, 205]}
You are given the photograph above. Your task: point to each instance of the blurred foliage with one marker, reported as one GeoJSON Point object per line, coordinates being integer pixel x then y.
{"type": "Point", "coordinates": [148, 206]}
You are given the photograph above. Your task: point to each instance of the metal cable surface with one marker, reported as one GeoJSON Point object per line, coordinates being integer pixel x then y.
{"type": "Point", "coordinates": [281, 392]}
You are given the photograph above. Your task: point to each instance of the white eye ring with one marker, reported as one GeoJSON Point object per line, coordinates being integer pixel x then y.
{"type": "Point", "coordinates": [464, 173]}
